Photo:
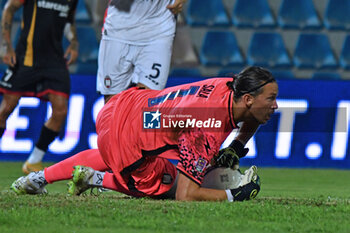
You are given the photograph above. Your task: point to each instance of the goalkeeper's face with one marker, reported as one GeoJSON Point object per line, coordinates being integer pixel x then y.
{"type": "Point", "coordinates": [264, 104]}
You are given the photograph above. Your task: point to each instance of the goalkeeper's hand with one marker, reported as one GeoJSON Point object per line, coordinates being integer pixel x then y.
{"type": "Point", "coordinates": [229, 157]}
{"type": "Point", "coordinates": [246, 192]}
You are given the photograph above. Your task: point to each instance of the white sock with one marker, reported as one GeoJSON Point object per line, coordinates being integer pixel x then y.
{"type": "Point", "coordinates": [36, 156]}
{"type": "Point", "coordinates": [37, 179]}
{"type": "Point", "coordinates": [229, 195]}
{"type": "Point", "coordinates": [97, 179]}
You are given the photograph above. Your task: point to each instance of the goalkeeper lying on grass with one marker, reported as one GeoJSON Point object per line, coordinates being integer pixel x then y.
{"type": "Point", "coordinates": [139, 130]}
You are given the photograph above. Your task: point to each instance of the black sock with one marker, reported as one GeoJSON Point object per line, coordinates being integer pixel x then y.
{"type": "Point", "coordinates": [46, 137]}
{"type": "Point", "coordinates": [2, 130]}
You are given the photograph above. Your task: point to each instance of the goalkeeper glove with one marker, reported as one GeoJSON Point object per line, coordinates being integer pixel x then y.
{"type": "Point", "coordinates": [238, 147]}
{"type": "Point", "coordinates": [246, 192]}
{"type": "Point", "coordinates": [249, 187]}
{"type": "Point", "coordinates": [229, 157]}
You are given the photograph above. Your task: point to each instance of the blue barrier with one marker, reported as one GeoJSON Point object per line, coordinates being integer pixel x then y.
{"type": "Point", "coordinates": [310, 129]}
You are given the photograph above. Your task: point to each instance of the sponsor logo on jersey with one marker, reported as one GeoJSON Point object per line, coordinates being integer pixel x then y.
{"type": "Point", "coordinates": [201, 164]}
{"type": "Point", "coordinates": [63, 9]}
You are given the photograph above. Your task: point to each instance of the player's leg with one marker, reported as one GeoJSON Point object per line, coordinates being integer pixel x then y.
{"type": "Point", "coordinates": [63, 170]}
{"type": "Point", "coordinates": [154, 178]}
{"type": "Point", "coordinates": [85, 177]}
{"type": "Point", "coordinates": [152, 64]}
{"type": "Point", "coordinates": [16, 82]}
{"type": "Point", "coordinates": [114, 68]}
{"type": "Point", "coordinates": [59, 105]}
{"type": "Point", "coordinates": [49, 132]}
{"type": "Point", "coordinates": [35, 182]}
{"type": "Point", "coordinates": [8, 104]}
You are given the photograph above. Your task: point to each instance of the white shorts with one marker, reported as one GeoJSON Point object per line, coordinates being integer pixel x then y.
{"type": "Point", "coordinates": [121, 64]}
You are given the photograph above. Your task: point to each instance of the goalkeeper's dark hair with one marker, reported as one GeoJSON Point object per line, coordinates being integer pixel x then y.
{"type": "Point", "coordinates": [250, 80]}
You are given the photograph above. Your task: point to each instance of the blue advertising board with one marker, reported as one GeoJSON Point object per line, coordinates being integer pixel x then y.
{"type": "Point", "coordinates": [310, 128]}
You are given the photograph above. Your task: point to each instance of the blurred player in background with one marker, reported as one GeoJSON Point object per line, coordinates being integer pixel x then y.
{"type": "Point", "coordinates": [138, 156]}
{"type": "Point", "coordinates": [38, 67]}
{"type": "Point", "coordinates": [136, 45]}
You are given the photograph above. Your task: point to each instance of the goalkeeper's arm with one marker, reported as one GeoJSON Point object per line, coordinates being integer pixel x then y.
{"type": "Point", "coordinates": [187, 190]}
{"type": "Point", "coordinates": [71, 53]}
{"type": "Point", "coordinates": [246, 131]}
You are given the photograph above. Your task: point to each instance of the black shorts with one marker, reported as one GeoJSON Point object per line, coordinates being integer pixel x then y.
{"type": "Point", "coordinates": [37, 82]}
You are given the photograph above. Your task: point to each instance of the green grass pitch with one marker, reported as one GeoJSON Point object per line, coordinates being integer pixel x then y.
{"type": "Point", "coordinates": [291, 200]}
